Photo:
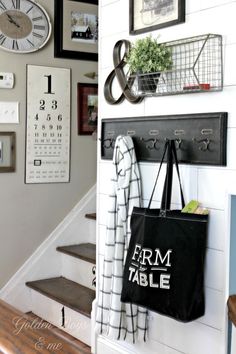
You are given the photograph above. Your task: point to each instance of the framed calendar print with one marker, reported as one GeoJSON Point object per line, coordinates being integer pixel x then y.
{"type": "Point", "coordinates": [48, 125]}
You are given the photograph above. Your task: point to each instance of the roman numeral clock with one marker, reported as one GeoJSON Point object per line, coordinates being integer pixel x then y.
{"type": "Point", "coordinates": [24, 26]}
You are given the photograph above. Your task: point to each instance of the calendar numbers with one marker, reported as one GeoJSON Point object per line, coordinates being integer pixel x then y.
{"type": "Point", "coordinates": [46, 126]}
{"type": "Point", "coordinates": [48, 131]}
{"type": "Point", "coordinates": [49, 85]}
{"type": "Point", "coordinates": [42, 105]}
{"type": "Point", "coordinates": [52, 104]}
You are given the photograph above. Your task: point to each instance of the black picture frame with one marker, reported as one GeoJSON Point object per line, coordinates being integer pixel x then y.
{"type": "Point", "coordinates": [59, 32]}
{"type": "Point", "coordinates": [7, 151]}
{"type": "Point", "coordinates": [163, 8]}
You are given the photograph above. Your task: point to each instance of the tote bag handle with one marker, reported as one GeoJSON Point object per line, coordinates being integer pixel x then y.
{"type": "Point", "coordinates": [170, 149]}
{"type": "Point", "coordinates": [167, 190]}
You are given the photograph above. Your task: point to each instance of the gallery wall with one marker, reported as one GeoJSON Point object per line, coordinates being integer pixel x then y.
{"type": "Point", "coordinates": [30, 212]}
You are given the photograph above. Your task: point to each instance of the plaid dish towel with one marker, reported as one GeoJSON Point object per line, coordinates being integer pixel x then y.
{"type": "Point", "coordinates": [115, 319]}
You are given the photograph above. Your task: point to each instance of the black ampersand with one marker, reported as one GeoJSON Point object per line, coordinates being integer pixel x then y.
{"type": "Point", "coordinates": [120, 75]}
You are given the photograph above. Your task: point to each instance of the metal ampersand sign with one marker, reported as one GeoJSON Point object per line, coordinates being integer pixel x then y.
{"type": "Point", "coordinates": [118, 72]}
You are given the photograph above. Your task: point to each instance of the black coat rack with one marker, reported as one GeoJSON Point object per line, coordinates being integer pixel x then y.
{"type": "Point", "coordinates": [200, 138]}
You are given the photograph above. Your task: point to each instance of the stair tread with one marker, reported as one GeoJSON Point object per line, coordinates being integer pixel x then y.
{"type": "Point", "coordinates": [68, 293]}
{"type": "Point", "coordinates": [85, 251]}
{"type": "Point", "coordinates": [92, 216]}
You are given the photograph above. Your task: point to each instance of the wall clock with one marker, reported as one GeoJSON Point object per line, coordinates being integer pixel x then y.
{"type": "Point", "coordinates": [24, 26]}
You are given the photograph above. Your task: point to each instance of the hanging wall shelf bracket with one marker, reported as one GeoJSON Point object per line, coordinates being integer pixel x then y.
{"type": "Point", "coordinates": [200, 138]}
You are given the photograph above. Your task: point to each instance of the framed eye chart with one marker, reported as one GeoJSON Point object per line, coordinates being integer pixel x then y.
{"type": "Point", "coordinates": [48, 125]}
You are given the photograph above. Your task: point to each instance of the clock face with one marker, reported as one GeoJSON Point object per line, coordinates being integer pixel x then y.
{"type": "Point", "coordinates": [24, 26]}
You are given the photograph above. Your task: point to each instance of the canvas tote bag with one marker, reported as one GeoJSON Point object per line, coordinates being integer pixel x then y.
{"type": "Point", "coordinates": [164, 268]}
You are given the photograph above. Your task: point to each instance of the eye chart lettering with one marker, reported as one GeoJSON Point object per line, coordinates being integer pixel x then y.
{"type": "Point", "coordinates": [48, 125]}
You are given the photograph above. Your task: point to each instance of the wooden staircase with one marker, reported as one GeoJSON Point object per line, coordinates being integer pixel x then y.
{"type": "Point", "coordinates": [66, 300]}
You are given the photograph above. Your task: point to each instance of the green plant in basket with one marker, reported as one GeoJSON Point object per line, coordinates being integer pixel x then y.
{"type": "Point", "coordinates": [148, 56]}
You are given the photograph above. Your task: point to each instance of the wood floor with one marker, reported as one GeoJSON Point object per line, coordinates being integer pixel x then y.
{"type": "Point", "coordinates": [26, 333]}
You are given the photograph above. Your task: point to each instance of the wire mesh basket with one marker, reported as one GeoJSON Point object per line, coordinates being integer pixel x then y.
{"type": "Point", "coordinates": [197, 67]}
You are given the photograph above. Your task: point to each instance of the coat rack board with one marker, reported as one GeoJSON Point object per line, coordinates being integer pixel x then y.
{"type": "Point", "coordinates": [200, 138]}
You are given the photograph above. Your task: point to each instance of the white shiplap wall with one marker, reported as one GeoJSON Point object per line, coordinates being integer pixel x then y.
{"type": "Point", "coordinates": [209, 185]}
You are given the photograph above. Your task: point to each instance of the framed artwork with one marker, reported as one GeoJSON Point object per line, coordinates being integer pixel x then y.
{"type": "Point", "coordinates": [48, 124]}
{"type": "Point", "coordinates": [7, 151]}
{"type": "Point", "coordinates": [150, 15]}
{"type": "Point", "coordinates": [87, 95]}
{"type": "Point", "coordinates": [76, 29]}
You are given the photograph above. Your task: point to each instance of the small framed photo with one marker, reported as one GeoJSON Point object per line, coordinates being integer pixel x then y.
{"type": "Point", "coordinates": [150, 15]}
{"type": "Point", "coordinates": [76, 29]}
{"type": "Point", "coordinates": [7, 151]}
{"type": "Point", "coordinates": [87, 100]}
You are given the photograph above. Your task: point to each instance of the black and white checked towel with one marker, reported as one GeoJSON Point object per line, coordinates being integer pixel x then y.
{"type": "Point", "coordinates": [118, 320]}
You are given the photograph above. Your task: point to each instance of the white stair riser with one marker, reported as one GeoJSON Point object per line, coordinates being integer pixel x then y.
{"type": "Point", "coordinates": [76, 324]}
{"type": "Point", "coordinates": [46, 308]}
{"type": "Point", "coordinates": [77, 270]}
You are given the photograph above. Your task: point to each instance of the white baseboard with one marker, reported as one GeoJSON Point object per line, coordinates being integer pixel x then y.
{"type": "Point", "coordinates": [233, 342]}
{"type": "Point", "coordinates": [107, 346]}
{"type": "Point", "coordinates": [46, 262]}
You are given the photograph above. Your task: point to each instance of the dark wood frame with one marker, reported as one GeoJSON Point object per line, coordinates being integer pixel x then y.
{"type": "Point", "coordinates": [12, 143]}
{"type": "Point", "coordinates": [83, 90]}
{"type": "Point", "coordinates": [59, 52]}
{"type": "Point", "coordinates": [180, 19]}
